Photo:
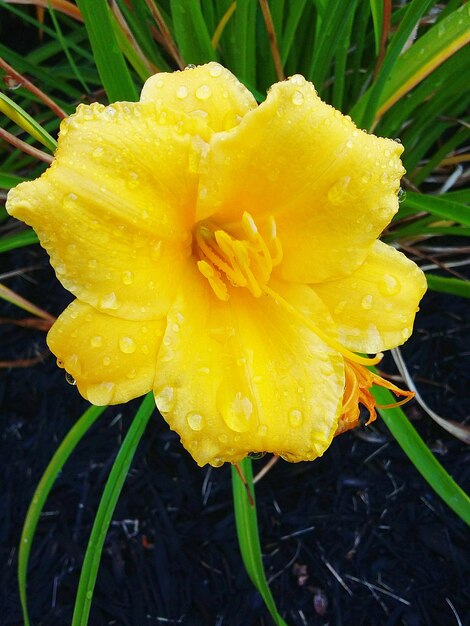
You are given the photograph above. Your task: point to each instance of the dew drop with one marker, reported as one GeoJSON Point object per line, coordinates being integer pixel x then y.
{"type": "Point", "coordinates": [165, 399]}
{"type": "Point", "coordinates": [223, 438]}
{"type": "Point", "coordinates": [339, 190]}
{"type": "Point", "coordinates": [262, 430]}
{"type": "Point", "coordinates": [215, 70]}
{"type": "Point", "coordinates": [195, 420]}
{"type": "Point", "coordinates": [109, 301]}
{"type": "Point", "coordinates": [98, 152]}
{"type": "Point", "coordinates": [92, 263]}
{"type": "Point", "coordinates": [256, 455]}
{"type": "Point", "coordinates": [100, 394]}
{"type": "Point", "coordinates": [237, 414]}
{"type": "Point", "coordinates": [295, 418]}
{"type": "Point", "coordinates": [298, 98]}
{"type": "Point", "coordinates": [190, 66]}
{"type": "Point", "coordinates": [89, 595]}
{"type": "Point", "coordinates": [182, 92]}
{"type": "Point", "coordinates": [127, 277]}
{"type": "Point", "coordinates": [389, 285]}
{"type": "Point", "coordinates": [96, 341]}
{"type": "Point", "coordinates": [131, 373]}
{"type": "Point", "coordinates": [127, 345]}
{"type": "Point", "coordinates": [297, 79]}
{"type": "Point", "coordinates": [405, 333]}
{"type": "Point", "coordinates": [401, 195]}
{"type": "Point", "coordinates": [203, 92]}
{"type": "Point", "coordinates": [367, 301]}
{"type": "Point", "coordinates": [106, 360]}
{"type": "Point", "coordinates": [70, 379]}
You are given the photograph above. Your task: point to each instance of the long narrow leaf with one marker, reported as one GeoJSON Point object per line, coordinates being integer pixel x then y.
{"type": "Point", "coordinates": [26, 122]}
{"type": "Point", "coordinates": [448, 209]}
{"type": "Point", "coordinates": [109, 59]}
{"type": "Point", "coordinates": [43, 489]}
{"type": "Point", "coordinates": [25, 238]}
{"type": "Point", "coordinates": [443, 284]}
{"type": "Point", "coordinates": [248, 535]}
{"type": "Point", "coordinates": [421, 457]}
{"type": "Point", "coordinates": [106, 508]}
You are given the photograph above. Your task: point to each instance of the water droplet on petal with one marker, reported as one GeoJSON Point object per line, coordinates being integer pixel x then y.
{"type": "Point", "coordinates": [405, 333]}
{"type": "Point", "coordinates": [401, 195]}
{"type": "Point", "coordinates": [110, 301]}
{"type": "Point", "coordinates": [190, 66]}
{"type": "Point", "coordinates": [96, 341]}
{"type": "Point", "coordinates": [215, 70]}
{"type": "Point", "coordinates": [127, 345]}
{"type": "Point", "coordinates": [70, 379]}
{"type": "Point", "coordinates": [295, 418]}
{"type": "Point", "coordinates": [256, 455]}
{"type": "Point", "coordinates": [367, 301]}
{"type": "Point", "coordinates": [298, 98]}
{"type": "Point", "coordinates": [106, 360]}
{"type": "Point", "coordinates": [100, 394]}
{"type": "Point", "coordinates": [195, 420]}
{"type": "Point", "coordinates": [237, 413]}
{"type": "Point", "coordinates": [98, 152]}
{"type": "Point", "coordinates": [182, 92]}
{"type": "Point", "coordinates": [262, 430]}
{"type": "Point", "coordinates": [203, 92]}
{"type": "Point", "coordinates": [165, 399]}
{"type": "Point", "coordinates": [127, 277]}
{"type": "Point", "coordinates": [389, 285]}
{"type": "Point", "coordinates": [339, 190]}
{"type": "Point", "coordinates": [339, 308]}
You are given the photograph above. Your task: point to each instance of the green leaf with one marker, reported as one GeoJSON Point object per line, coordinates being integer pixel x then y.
{"type": "Point", "coordinates": [439, 206]}
{"type": "Point", "coordinates": [26, 122]}
{"type": "Point", "coordinates": [248, 535]}
{"type": "Point", "coordinates": [377, 10]}
{"type": "Point", "coordinates": [191, 32]}
{"type": "Point", "coordinates": [43, 489]}
{"type": "Point", "coordinates": [421, 457]}
{"type": "Point", "coordinates": [428, 52]}
{"type": "Point", "coordinates": [106, 508]}
{"type": "Point", "coordinates": [8, 181]}
{"type": "Point", "coordinates": [455, 286]}
{"type": "Point", "coordinates": [109, 59]}
{"type": "Point", "coordinates": [365, 110]}
{"type": "Point", "coordinates": [25, 238]}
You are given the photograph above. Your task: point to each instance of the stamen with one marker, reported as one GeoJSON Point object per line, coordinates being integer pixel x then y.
{"type": "Point", "coordinates": [219, 287]}
{"type": "Point", "coordinates": [332, 343]}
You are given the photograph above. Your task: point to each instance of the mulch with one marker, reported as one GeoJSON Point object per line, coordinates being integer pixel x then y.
{"type": "Point", "coordinates": [356, 538]}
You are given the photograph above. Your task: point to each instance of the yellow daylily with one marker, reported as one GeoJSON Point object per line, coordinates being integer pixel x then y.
{"type": "Point", "coordinates": [225, 255]}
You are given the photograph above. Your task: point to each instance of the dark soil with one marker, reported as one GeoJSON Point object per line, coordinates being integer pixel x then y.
{"type": "Point", "coordinates": [356, 538]}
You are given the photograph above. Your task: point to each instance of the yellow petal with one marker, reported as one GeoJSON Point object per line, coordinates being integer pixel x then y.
{"type": "Point", "coordinates": [209, 92]}
{"type": "Point", "coordinates": [243, 376]}
{"type": "Point", "coordinates": [115, 208]}
{"type": "Point", "coordinates": [331, 187]}
{"type": "Point", "coordinates": [374, 308]}
{"type": "Point", "coordinates": [111, 360]}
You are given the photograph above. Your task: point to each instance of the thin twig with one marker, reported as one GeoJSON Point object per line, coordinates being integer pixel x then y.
{"type": "Point", "coordinates": [386, 23]}
{"type": "Point", "coordinates": [266, 468]}
{"type": "Point", "coordinates": [268, 20]}
{"type": "Point", "coordinates": [27, 84]}
{"type": "Point", "coordinates": [25, 147]}
{"type": "Point", "coordinates": [152, 69]}
{"type": "Point", "coordinates": [167, 40]}
{"type": "Point", "coordinates": [245, 484]}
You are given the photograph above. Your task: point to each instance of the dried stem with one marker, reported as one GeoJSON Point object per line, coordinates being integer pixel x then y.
{"type": "Point", "coordinates": [268, 20]}
{"type": "Point", "coordinates": [167, 40]}
{"type": "Point", "coordinates": [11, 72]}
{"type": "Point", "coordinates": [25, 147]}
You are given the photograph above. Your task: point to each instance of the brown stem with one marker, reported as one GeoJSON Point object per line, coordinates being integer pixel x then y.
{"type": "Point", "coordinates": [32, 89]}
{"type": "Point", "coordinates": [25, 147]}
{"type": "Point", "coordinates": [268, 20]}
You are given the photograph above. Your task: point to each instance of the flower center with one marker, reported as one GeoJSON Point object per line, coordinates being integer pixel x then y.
{"type": "Point", "coordinates": [243, 262]}
{"type": "Point", "coordinates": [248, 262]}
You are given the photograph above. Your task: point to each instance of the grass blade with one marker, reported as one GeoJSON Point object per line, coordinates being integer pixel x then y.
{"type": "Point", "coordinates": [25, 238]}
{"type": "Point", "coordinates": [440, 206]}
{"type": "Point", "coordinates": [106, 508]}
{"type": "Point", "coordinates": [109, 59]}
{"type": "Point", "coordinates": [26, 122]}
{"type": "Point", "coordinates": [422, 58]}
{"type": "Point", "coordinates": [191, 33]}
{"type": "Point", "coordinates": [45, 485]}
{"type": "Point", "coordinates": [248, 535]}
{"type": "Point", "coordinates": [421, 457]}
{"type": "Point", "coordinates": [455, 286]}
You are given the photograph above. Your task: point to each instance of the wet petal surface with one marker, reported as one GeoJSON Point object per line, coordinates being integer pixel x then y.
{"type": "Point", "coordinates": [243, 376]}
{"type": "Point", "coordinates": [111, 360]}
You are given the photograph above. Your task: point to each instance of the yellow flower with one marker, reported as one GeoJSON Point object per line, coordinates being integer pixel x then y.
{"type": "Point", "coordinates": [225, 255]}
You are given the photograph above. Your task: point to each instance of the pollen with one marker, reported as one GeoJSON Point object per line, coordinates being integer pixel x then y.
{"type": "Point", "coordinates": [243, 257]}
